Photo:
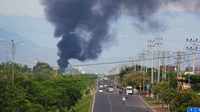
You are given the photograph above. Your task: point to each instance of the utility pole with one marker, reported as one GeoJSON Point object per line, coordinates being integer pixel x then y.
{"type": "Point", "coordinates": [163, 67]}
{"type": "Point", "coordinates": [135, 65]}
{"type": "Point", "coordinates": [152, 45]}
{"type": "Point", "coordinates": [146, 54]}
{"type": "Point", "coordinates": [193, 49]}
{"type": "Point", "coordinates": [168, 76]}
{"type": "Point", "coordinates": [178, 66]}
{"type": "Point", "coordinates": [140, 68]}
{"type": "Point", "coordinates": [131, 62]}
{"type": "Point", "coordinates": [141, 55]}
{"type": "Point", "coordinates": [168, 68]}
{"type": "Point", "coordinates": [13, 52]}
{"type": "Point", "coordinates": [158, 43]}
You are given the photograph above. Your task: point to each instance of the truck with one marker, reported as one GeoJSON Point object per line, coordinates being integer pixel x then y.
{"type": "Point", "coordinates": [129, 90]}
{"type": "Point", "coordinates": [105, 78]}
{"type": "Point", "coordinates": [110, 89]}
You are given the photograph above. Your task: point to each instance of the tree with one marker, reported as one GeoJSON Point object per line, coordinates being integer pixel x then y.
{"type": "Point", "coordinates": [161, 90]}
{"type": "Point", "coordinates": [184, 99]}
{"type": "Point", "coordinates": [43, 91]}
{"type": "Point", "coordinates": [172, 80]}
{"type": "Point", "coordinates": [41, 66]}
{"type": "Point", "coordinates": [194, 81]}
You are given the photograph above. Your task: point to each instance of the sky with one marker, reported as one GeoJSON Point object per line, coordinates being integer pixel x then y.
{"type": "Point", "coordinates": [27, 18]}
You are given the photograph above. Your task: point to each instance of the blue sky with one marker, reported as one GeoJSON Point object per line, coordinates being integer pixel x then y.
{"type": "Point", "coordinates": [31, 23]}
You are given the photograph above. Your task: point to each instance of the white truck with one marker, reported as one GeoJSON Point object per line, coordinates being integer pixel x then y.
{"type": "Point", "coordinates": [110, 89]}
{"type": "Point", "coordinates": [105, 78]}
{"type": "Point", "coordinates": [129, 90]}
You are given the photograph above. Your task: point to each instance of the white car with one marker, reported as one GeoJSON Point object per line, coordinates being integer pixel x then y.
{"type": "Point", "coordinates": [100, 90]}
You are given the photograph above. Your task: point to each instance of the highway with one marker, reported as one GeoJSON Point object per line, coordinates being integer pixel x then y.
{"type": "Point", "coordinates": [112, 102]}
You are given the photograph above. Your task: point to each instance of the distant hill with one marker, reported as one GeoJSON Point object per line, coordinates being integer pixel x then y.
{"type": "Point", "coordinates": [26, 52]}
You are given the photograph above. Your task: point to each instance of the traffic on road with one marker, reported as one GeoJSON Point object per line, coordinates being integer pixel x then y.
{"type": "Point", "coordinates": [113, 98]}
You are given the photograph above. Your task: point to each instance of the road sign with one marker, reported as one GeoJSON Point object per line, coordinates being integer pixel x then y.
{"type": "Point", "coordinates": [147, 86]}
{"type": "Point", "coordinates": [140, 85]}
{"type": "Point", "coordinates": [197, 109]}
{"type": "Point", "coordinates": [193, 109]}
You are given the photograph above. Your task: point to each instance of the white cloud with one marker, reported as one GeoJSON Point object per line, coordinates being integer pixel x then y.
{"type": "Point", "coordinates": [184, 5]}
{"type": "Point", "coordinates": [21, 8]}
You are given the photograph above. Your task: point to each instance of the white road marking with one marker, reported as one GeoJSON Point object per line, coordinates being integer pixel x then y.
{"type": "Point", "coordinates": [93, 102]}
{"type": "Point", "coordinates": [129, 110]}
{"type": "Point", "coordinates": [110, 103]}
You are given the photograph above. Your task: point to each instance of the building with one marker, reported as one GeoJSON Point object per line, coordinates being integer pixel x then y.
{"type": "Point", "coordinates": [168, 68]}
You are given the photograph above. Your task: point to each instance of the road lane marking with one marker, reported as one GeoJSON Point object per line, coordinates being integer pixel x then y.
{"type": "Point", "coordinates": [129, 110]}
{"type": "Point", "coordinates": [110, 103]}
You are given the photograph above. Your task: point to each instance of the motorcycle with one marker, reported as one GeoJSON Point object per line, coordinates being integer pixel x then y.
{"type": "Point", "coordinates": [120, 92]}
{"type": "Point", "coordinates": [123, 102]}
{"type": "Point", "coordinates": [126, 96]}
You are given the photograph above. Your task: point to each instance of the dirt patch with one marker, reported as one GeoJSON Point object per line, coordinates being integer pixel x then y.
{"type": "Point", "coordinates": [158, 108]}
{"type": "Point", "coordinates": [156, 105]}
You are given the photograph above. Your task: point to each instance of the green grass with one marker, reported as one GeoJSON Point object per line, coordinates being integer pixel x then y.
{"type": "Point", "coordinates": [83, 105]}
{"type": "Point", "coordinates": [151, 101]}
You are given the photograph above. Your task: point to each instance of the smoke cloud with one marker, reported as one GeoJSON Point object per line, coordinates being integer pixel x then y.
{"type": "Point", "coordinates": [84, 24]}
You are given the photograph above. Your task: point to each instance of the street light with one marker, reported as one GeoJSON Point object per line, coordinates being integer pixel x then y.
{"type": "Point", "coordinates": [13, 49]}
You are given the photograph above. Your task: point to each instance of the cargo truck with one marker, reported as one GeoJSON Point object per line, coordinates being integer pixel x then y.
{"type": "Point", "coordinates": [129, 90]}
{"type": "Point", "coordinates": [110, 89]}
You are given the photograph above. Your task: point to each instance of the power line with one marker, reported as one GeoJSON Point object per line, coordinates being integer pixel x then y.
{"type": "Point", "coordinates": [126, 61]}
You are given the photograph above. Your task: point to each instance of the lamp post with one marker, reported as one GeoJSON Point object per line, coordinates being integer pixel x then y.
{"type": "Point", "coordinates": [13, 49]}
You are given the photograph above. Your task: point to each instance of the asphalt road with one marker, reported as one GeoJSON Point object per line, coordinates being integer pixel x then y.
{"type": "Point", "coordinates": [112, 102]}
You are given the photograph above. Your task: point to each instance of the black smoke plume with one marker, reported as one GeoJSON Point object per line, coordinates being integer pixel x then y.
{"type": "Point", "coordinates": [84, 24]}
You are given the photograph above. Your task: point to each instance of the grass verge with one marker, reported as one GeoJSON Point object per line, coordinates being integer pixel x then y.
{"type": "Point", "coordinates": [151, 101]}
{"type": "Point", "coordinates": [155, 104]}
{"type": "Point", "coordinates": [83, 105]}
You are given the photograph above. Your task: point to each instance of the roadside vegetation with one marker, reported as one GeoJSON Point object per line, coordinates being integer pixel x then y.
{"type": "Point", "coordinates": [43, 89]}
{"type": "Point", "coordinates": [166, 91]}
